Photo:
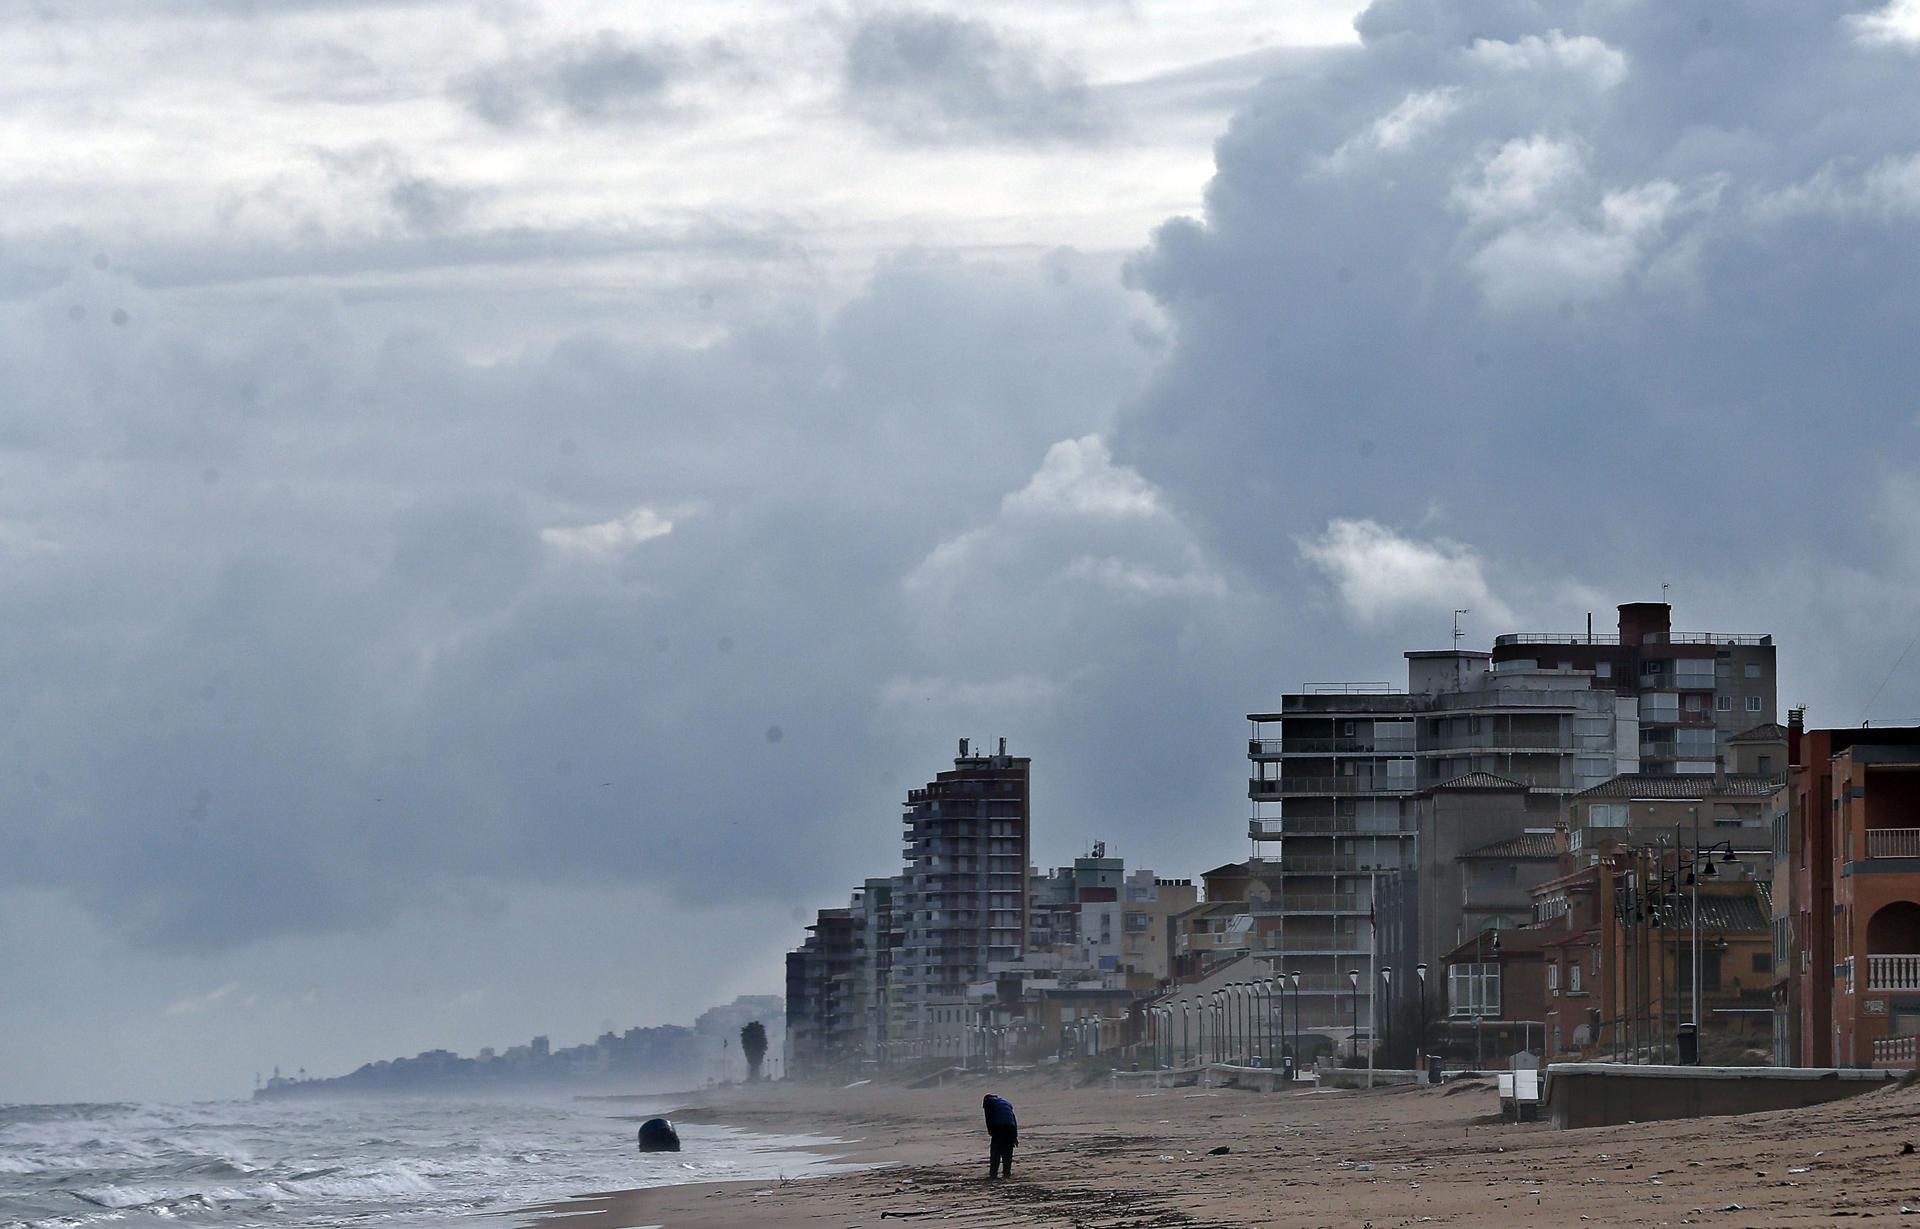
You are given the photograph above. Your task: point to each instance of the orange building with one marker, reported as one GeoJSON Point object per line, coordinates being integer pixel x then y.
{"type": "Point", "coordinates": [1856, 895]}
{"type": "Point", "coordinates": [1875, 808]}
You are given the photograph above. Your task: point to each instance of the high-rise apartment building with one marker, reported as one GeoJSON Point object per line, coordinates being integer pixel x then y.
{"type": "Point", "coordinates": [960, 901]}
{"type": "Point", "coordinates": [1336, 769]}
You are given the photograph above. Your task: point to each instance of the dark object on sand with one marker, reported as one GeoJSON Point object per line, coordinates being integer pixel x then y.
{"type": "Point", "coordinates": [658, 1135]}
{"type": "Point", "coordinates": [1906, 1149]}
{"type": "Point", "coordinates": [1222, 1150]}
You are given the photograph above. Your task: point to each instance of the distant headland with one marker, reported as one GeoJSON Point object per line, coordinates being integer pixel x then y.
{"type": "Point", "coordinates": [666, 1056]}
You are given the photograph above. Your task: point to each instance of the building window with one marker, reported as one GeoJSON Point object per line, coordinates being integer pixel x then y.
{"type": "Point", "coordinates": [1573, 978]}
{"type": "Point", "coordinates": [1723, 704]}
{"type": "Point", "coordinates": [1473, 989]}
{"type": "Point", "coordinates": [1603, 669]}
{"type": "Point", "coordinates": [1753, 669]}
{"type": "Point", "coordinates": [1753, 704]}
{"type": "Point", "coordinates": [1553, 979]}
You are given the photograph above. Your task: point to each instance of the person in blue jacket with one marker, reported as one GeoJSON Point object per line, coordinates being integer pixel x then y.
{"type": "Point", "coordinates": [1003, 1132]}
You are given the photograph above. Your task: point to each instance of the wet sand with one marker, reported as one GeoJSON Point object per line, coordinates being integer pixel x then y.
{"type": "Point", "coordinates": [1137, 1158]}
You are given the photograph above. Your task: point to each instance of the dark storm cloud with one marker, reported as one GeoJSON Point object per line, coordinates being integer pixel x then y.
{"type": "Point", "coordinates": [304, 620]}
{"type": "Point", "coordinates": [1607, 292]}
{"type": "Point", "coordinates": [926, 76]}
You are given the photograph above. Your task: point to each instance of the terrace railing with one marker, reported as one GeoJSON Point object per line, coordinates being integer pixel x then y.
{"type": "Point", "coordinates": [1893, 842]}
{"type": "Point", "coordinates": [1893, 972]}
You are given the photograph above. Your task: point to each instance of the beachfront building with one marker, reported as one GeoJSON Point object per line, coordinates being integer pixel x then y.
{"type": "Point", "coordinates": [961, 900]}
{"type": "Point", "coordinates": [1855, 800]}
{"type": "Point", "coordinates": [1337, 770]}
{"type": "Point", "coordinates": [1149, 904]}
{"type": "Point", "coordinates": [1620, 978]}
{"type": "Point", "coordinates": [823, 1027]}
{"type": "Point", "coordinates": [877, 938]}
{"type": "Point", "coordinates": [1730, 811]}
{"type": "Point", "coordinates": [1481, 841]}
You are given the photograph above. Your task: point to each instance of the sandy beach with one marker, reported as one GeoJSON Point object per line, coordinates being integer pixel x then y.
{"type": "Point", "coordinates": [1135, 1158]}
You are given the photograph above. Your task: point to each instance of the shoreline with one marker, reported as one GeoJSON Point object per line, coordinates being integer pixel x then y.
{"type": "Point", "coordinates": [1400, 1156]}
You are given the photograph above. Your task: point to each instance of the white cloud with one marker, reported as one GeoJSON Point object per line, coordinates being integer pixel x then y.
{"type": "Point", "coordinates": [1887, 190]}
{"type": "Point", "coordinates": [1565, 258]}
{"type": "Point", "coordinates": [1897, 24]}
{"type": "Point", "coordinates": [1136, 579]}
{"type": "Point", "coordinates": [1518, 179]}
{"type": "Point", "coordinates": [1078, 478]}
{"type": "Point", "coordinates": [1582, 56]}
{"type": "Point", "coordinates": [608, 538]}
{"type": "Point", "coordinates": [1380, 574]}
{"type": "Point", "coordinates": [1411, 119]}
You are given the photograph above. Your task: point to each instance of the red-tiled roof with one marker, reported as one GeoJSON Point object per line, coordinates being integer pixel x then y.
{"type": "Point", "coordinates": [1701, 785]}
{"type": "Point", "coordinates": [1526, 845]}
{"type": "Point", "coordinates": [1478, 780]}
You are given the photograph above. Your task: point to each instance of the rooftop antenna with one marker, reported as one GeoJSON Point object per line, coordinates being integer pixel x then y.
{"type": "Point", "coordinates": [1457, 633]}
{"type": "Point", "coordinates": [1663, 595]}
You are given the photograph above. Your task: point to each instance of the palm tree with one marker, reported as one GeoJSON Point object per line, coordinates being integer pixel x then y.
{"type": "Point", "coordinates": [753, 1044]}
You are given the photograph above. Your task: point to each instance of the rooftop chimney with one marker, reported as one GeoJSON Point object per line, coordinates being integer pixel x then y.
{"type": "Point", "coordinates": [1645, 623]}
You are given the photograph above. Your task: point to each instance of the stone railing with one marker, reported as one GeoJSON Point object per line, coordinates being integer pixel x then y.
{"type": "Point", "coordinates": [1893, 972]}
{"type": "Point", "coordinates": [1895, 1053]}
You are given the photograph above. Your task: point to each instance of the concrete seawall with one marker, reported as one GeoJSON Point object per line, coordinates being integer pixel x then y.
{"type": "Point", "coordinates": [1602, 1094]}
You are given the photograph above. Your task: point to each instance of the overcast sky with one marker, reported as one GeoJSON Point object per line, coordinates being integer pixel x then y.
{"type": "Point", "coordinates": [499, 500]}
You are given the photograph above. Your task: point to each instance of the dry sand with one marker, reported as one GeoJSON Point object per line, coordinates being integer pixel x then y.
{"type": "Point", "coordinates": [1382, 1159]}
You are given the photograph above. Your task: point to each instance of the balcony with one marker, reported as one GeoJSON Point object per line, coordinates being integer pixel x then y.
{"type": "Point", "coordinates": [1495, 740]}
{"type": "Point", "coordinates": [1313, 945]}
{"type": "Point", "coordinates": [1508, 697]}
{"type": "Point", "coordinates": [1300, 902]}
{"type": "Point", "coordinates": [1893, 972]}
{"type": "Point", "coordinates": [1895, 1053]}
{"type": "Point", "coordinates": [1320, 786]}
{"type": "Point", "coordinates": [1319, 864]}
{"type": "Point", "coordinates": [1893, 842]}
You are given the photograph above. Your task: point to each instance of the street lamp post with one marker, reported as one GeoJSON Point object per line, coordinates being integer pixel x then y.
{"type": "Point", "coordinates": [1186, 1038]}
{"type": "Point", "coordinates": [1294, 977]}
{"type": "Point", "coordinates": [1353, 1038]}
{"type": "Point", "coordinates": [1386, 978]}
{"type": "Point", "coordinates": [1246, 1022]}
{"type": "Point", "coordinates": [1420, 971]}
{"type": "Point", "coordinates": [1243, 1004]}
{"type": "Point", "coordinates": [1273, 1051]}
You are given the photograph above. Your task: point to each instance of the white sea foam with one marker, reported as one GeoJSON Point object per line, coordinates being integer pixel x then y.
{"type": "Point", "coordinates": [294, 1165]}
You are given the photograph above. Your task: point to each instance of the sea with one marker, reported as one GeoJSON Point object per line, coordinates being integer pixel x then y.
{"type": "Point", "coordinates": [438, 1164]}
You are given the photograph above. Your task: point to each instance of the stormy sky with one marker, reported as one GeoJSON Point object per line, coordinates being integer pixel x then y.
{"type": "Point", "coordinates": [500, 499]}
